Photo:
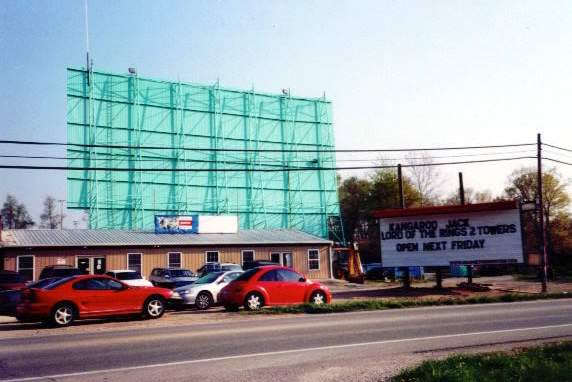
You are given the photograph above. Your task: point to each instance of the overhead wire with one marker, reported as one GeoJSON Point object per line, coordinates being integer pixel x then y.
{"type": "Point", "coordinates": [557, 147]}
{"type": "Point", "coordinates": [269, 159]}
{"type": "Point", "coordinates": [287, 168]}
{"type": "Point", "coordinates": [210, 149]}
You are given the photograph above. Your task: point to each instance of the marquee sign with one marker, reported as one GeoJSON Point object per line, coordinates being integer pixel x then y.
{"type": "Point", "coordinates": [444, 235]}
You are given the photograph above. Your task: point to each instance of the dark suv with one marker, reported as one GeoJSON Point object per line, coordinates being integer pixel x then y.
{"type": "Point", "coordinates": [59, 271]}
{"type": "Point", "coordinates": [257, 263]}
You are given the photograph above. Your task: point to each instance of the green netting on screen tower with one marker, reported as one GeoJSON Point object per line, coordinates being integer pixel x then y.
{"type": "Point", "coordinates": [119, 121]}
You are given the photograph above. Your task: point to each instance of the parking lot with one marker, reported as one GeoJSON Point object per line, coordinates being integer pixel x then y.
{"type": "Point", "coordinates": [341, 291]}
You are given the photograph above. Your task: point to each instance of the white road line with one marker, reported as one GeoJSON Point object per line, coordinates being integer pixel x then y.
{"type": "Point", "coordinates": [280, 352]}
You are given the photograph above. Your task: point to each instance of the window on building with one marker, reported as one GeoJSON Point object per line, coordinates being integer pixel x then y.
{"type": "Point", "coordinates": [26, 266]}
{"type": "Point", "coordinates": [275, 257]}
{"type": "Point", "coordinates": [212, 256]}
{"type": "Point", "coordinates": [247, 256]}
{"type": "Point", "coordinates": [313, 259]}
{"type": "Point", "coordinates": [134, 262]}
{"type": "Point", "coordinates": [174, 260]}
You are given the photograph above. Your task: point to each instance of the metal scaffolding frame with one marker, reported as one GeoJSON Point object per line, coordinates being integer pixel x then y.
{"type": "Point", "coordinates": [188, 120]}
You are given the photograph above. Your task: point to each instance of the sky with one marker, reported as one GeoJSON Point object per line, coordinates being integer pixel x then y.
{"type": "Point", "coordinates": [400, 74]}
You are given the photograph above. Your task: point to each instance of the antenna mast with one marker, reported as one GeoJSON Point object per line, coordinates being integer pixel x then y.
{"type": "Point", "coordinates": [88, 65]}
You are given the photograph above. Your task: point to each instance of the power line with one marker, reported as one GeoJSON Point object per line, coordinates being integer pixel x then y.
{"type": "Point", "coordinates": [72, 168]}
{"type": "Point", "coordinates": [43, 143]}
{"type": "Point", "coordinates": [129, 157]}
{"type": "Point", "coordinates": [558, 161]}
{"type": "Point", "coordinates": [557, 147]}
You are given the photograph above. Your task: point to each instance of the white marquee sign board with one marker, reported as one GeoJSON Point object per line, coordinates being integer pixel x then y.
{"type": "Point", "coordinates": [442, 239]}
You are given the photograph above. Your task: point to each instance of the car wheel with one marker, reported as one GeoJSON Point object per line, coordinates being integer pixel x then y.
{"type": "Point", "coordinates": [318, 298]}
{"type": "Point", "coordinates": [253, 301]}
{"type": "Point", "coordinates": [231, 308]}
{"type": "Point", "coordinates": [154, 307]}
{"type": "Point", "coordinates": [203, 301]}
{"type": "Point", "coordinates": [62, 315]}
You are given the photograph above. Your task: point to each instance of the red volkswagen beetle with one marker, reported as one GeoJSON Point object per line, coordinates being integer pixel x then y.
{"type": "Point", "coordinates": [88, 296]}
{"type": "Point", "coordinates": [272, 285]}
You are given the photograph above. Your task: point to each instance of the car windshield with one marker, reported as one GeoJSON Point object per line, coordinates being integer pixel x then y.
{"type": "Point", "coordinates": [210, 278]}
{"type": "Point", "coordinates": [246, 275]}
{"type": "Point", "coordinates": [127, 275]}
{"type": "Point", "coordinates": [43, 283]}
{"type": "Point", "coordinates": [58, 283]}
{"type": "Point", "coordinates": [11, 278]}
{"type": "Point", "coordinates": [231, 267]}
{"type": "Point", "coordinates": [181, 273]}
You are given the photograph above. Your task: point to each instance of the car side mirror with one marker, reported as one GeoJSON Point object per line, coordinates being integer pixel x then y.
{"type": "Point", "coordinates": [302, 279]}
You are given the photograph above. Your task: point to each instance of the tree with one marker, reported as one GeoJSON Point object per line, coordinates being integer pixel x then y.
{"type": "Point", "coordinates": [359, 197]}
{"type": "Point", "coordinates": [522, 184]}
{"type": "Point", "coordinates": [50, 218]}
{"type": "Point", "coordinates": [354, 201]}
{"type": "Point", "coordinates": [15, 215]}
{"type": "Point", "coordinates": [425, 179]}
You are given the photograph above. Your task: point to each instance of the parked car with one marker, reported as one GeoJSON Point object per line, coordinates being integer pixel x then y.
{"type": "Point", "coordinates": [172, 277]}
{"type": "Point", "coordinates": [59, 271]}
{"type": "Point", "coordinates": [10, 280]}
{"type": "Point", "coordinates": [217, 267]}
{"type": "Point", "coordinates": [130, 277]}
{"type": "Point", "coordinates": [203, 293]}
{"type": "Point", "coordinates": [257, 263]}
{"type": "Point", "coordinates": [89, 296]}
{"type": "Point", "coordinates": [272, 285]}
{"type": "Point", "coordinates": [9, 299]}
{"type": "Point", "coordinates": [376, 271]}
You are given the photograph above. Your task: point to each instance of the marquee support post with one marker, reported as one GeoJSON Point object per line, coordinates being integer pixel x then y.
{"type": "Point", "coordinates": [406, 276]}
{"type": "Point", "coordinates": [540, 206]}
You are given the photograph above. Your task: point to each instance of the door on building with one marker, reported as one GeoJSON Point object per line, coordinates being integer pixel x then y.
{"type": "Point", "coordinates": [98, 265]}
{"type": "Point", "coordinates": [91, 265]}
{"type": "Point", "coordinates": [283, 258]}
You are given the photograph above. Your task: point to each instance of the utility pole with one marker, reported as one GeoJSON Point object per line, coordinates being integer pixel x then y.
{"type": "Point", "coordinates": [406, 276]}
{"type": "Point", "coordinates": [61, 202]}
{"type": "Point", "coordinates": [461, 189]}
{"type": "Point", "coordinates": [400, 183]}
{"type": "Point", "coordinates": [540, 209]}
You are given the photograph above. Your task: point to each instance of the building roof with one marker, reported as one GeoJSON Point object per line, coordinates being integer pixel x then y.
{"type": "Point", "coordinates": [438, 210]}
{"type": "Point", "coordinates": [121, 238]}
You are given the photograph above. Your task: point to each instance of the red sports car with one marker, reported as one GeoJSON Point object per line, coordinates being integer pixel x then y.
{"type": "Point", "coordinates": [272, 285]}
{"type": "Point", "coordinates": [88, 296]}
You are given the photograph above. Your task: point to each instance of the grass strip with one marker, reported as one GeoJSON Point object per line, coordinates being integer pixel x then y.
{"type": "Point", "coordinates": [381, 304]}
{"type": "Point", "coordinates": [537, 364]}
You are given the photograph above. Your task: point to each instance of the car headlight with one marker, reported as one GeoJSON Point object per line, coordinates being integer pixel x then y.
{"type": "Point", "coordinates": [175, 295]}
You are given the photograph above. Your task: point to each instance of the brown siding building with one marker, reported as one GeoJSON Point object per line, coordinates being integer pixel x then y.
{"type": "Point", "coordinates": [97, 251]}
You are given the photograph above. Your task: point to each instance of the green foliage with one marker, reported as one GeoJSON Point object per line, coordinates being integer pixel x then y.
{"type": "Point", "coordinates": [360, 196]}
{"type": "Point", "coordinates": [522, 184]}
{"type": "Point", "coordinates": [545, 363]}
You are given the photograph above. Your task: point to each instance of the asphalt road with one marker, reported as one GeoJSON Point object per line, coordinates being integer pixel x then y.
{"type": "Point", "coordinates": [349, 346]}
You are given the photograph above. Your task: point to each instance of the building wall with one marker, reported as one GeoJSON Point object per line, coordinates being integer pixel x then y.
{"type": "Point", "coordinates": [191, 257]}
